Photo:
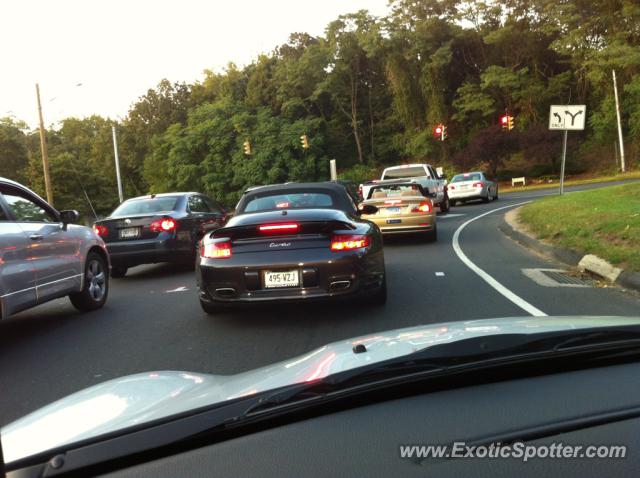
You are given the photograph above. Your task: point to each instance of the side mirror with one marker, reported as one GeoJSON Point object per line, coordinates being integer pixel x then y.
{"type": "Point", "coordinates": [68, 217]}
{"type": "Point", "coordinates": [367, 209]}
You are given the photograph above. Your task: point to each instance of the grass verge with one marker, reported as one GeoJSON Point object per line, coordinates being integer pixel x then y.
{"type": "Point", "coordinates": [505, 188]}
{"type": "Point", "coordinates": [604, 222]}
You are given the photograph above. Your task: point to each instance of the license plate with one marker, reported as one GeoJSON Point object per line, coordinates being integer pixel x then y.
{"type": "Point", "coordinates": [281, 279]}
{"type": "Point", "coordinates": [393, 210]}
{"type": "Point", "coordinates": [394, 221]}
{"type": "Point", "coordinates": [129, 233]}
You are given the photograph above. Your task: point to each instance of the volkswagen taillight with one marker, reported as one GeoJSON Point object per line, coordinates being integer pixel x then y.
{"type": "Point", "coordinates": [101, 231]}
{"type": "Point", "coordinates": [166, 224]}
{"type": "Point", "coordinates": [424, 207]}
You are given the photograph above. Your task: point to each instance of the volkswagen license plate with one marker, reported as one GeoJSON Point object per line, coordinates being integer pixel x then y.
{"type": "Point", "coordinates": [130, 233]}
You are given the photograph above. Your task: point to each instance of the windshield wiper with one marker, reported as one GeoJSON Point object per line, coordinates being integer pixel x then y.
{"type": "Point", "coordinates": [442, 359]}
{"type": "Point", "coordinates": [494, 350]}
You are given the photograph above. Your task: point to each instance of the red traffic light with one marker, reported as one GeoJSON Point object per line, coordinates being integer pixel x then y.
{"type": "Point", "coordinates": [438, 130]}
{"type": "Point", "coordinates": [504, 120]}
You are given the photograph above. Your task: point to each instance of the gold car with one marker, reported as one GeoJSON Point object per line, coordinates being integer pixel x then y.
{"type": "Point", "coordinates": [403, 207]}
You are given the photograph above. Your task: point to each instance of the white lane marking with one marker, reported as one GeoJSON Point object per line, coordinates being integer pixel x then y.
{"type": "Point", "coordinates": [450, 215]}
{"type": "Point", "coordinates": [517, 300]}
{"type": "Point", "coordinates": [179, 289]}
{"type": "Point", "coordinates": [440, 274]}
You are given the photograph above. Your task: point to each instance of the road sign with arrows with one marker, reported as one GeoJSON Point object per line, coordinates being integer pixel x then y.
{"type": "Point", "coordinates": [567, 117]}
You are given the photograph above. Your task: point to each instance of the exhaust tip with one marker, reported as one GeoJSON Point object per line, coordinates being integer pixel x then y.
{"type": "Point", "coordinates": [226, 292]}
{"type": "Point", "coordinates": [339, 285]}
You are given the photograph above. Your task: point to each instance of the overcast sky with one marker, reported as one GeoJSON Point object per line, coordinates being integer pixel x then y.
{"type": "Point", "coordinates": [117, 49]}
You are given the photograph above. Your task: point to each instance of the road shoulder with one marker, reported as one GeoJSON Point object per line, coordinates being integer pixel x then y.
{"type": "Point", "coordinates": [511, 226]}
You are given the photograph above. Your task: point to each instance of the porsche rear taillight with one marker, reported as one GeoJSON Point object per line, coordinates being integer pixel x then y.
{"type": "Point", "coordinates": [166, 224]}
{"type": "Point", "coordinates": [424, 207]}
{"type": "Point", "coordinates": [101, 231]}
{"type": "Point", "coordinates": [281, 228]}
{"type": "Point", "coordinates": [216, 250]}
{"type": "Point", "coordinates": [349, 242]}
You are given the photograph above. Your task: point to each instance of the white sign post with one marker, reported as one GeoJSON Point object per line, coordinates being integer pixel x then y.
{"type": "Point", "coordinates": [566, 118]}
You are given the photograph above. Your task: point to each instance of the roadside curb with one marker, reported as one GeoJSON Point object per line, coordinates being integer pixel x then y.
{"type": "Point", "coordinates": [510, 227]}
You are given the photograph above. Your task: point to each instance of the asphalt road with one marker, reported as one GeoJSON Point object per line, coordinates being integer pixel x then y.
{"type": "Point", "coordinates": [152, 320]}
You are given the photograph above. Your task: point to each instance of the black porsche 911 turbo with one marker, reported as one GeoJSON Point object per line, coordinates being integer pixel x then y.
{"type": "Point", "coordinates": [292, 242]}
{"type": "Point", "coordinates": [158, 228]}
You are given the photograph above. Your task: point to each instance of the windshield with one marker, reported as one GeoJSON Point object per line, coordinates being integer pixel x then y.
{"type": "Point", "coordinates": [466, 177]}
{"type": "Point", "coordinates": [146, 206]}
{"type": "Point", "coordinates": [235, 187]}
{"type": "Point", "coordinates": [402, 173]}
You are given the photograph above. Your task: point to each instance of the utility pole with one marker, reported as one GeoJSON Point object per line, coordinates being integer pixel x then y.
{"type": "Point", "coordinates": [115, 153]}
{"type": "Point", "coordinates": [615, 91]}
{"type": "Point", "coordinates": [43, 151]}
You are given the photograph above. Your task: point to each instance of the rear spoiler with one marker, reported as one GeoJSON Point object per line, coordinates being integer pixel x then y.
{"type": "Point", "coordinates": [250, 231]}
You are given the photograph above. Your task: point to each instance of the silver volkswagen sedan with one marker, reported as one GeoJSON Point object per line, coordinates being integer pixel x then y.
{"type": "Point", "coordinates": [44, 257]}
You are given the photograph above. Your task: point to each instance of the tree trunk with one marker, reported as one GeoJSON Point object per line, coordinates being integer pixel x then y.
{"type": "Point", "coordinates": [354, 115]}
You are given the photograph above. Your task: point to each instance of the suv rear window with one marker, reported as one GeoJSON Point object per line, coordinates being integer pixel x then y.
{"type": "Point", "coordinates": [412, 172]}
{"type": "Point", "coordinates": [146, 206]}
{"type": "Point", "coordinates": [292, 200]}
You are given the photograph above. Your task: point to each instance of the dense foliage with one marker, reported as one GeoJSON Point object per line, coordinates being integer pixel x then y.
{"type": "Point", "coordinates": [368, 93]}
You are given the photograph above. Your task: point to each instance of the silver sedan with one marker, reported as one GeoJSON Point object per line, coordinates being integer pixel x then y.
{"type": "Point", "coordinates": [43, 256]}
{"type": "Point", "coordinates": [469, 186]}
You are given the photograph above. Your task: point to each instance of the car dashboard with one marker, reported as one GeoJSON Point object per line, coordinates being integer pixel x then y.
{"type": "Point", "coordinates": [598, 406]}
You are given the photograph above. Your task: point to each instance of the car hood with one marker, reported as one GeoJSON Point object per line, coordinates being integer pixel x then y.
{"type": "Point", "coordinates": [136, 399]}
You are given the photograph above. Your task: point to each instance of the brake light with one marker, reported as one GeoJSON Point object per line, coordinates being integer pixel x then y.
{"type": "Point", "coordinates": [275, 228]}
{"type": "Point", "coordinates": [216, 250]}
{"type": "Point", "coordinates": [101, 231]}
{"type": "Point", "coordinates": [478, 185]}
{"type": "Point", "coordinates": [451, 187]}
{"type": "Point", "coordinates": [349, 242]}
{"type": "Point", "coordinates": [167, 224]}
{"type": "Point", "coordinates": [425, 207]}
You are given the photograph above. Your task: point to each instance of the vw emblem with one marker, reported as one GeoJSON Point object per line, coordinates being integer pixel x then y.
{"type": "Point", "coordinates": [127, 221]}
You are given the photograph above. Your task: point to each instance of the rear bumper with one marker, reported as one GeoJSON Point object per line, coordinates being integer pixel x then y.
{"type": "Point", "coordinates": [148, 251]}
{"type": "Point", "coordinates": [407, 224]}
{"type": "Point", "coordinates": [325, 275]}
{"type": "Point", "coordinates": [476, 193]}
